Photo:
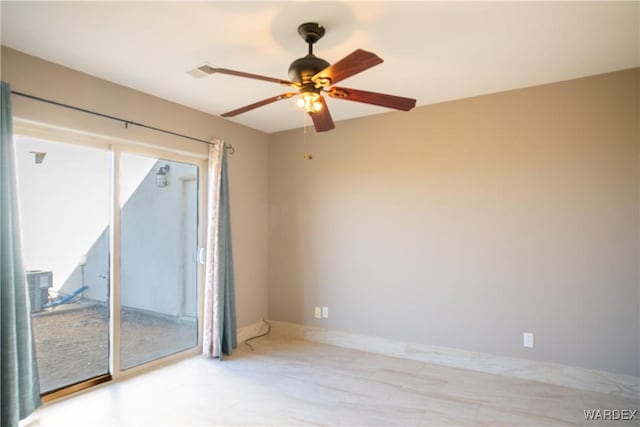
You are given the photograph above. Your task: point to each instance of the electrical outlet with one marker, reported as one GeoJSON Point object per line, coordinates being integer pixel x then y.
{"type": "Point", "coordinates": [325, 312]}
{"type": "Point", "coordinates": [318, 312]}
{"type": "Point", "coordinates": [527, 339]}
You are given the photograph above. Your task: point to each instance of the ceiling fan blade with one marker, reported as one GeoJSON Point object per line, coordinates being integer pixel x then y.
{"type": "Point", "coordinates": [351, 64]}
{"type": "Point", "coordinates": [322, 119]}
{"type": "Point", "coordinates": [258, 104]}
{"type": "Point", "coordinates": [251, 76]}
{"type": "Point", "coordinates": [381, 99]}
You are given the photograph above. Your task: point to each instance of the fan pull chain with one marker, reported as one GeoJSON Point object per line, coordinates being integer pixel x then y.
{"type": "Point", "coordinates": [307, 151]}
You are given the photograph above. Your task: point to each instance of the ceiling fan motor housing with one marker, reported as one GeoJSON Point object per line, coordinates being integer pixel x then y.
{"type": "Point", "coordinates": [302, 69]}
{"type": "Point", "coordinates": [311, 32]}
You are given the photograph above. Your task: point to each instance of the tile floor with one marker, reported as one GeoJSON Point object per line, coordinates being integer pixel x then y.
{"type": "Point", "coordinates": [289, 382]}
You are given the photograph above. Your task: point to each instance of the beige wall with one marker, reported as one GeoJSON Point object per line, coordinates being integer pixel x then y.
{"type": "Point", "coordinates": [467, 223]}
{"type": "Point", "coordinates": [248, 167]}
{"type": "Point", "coordinates": [461, 224]}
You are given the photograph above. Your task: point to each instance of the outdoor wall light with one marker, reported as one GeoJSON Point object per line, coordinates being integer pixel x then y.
{"type": "Point", "coordinates": [161, 176]}
{"type": "Point", "coordinates": [38, 155]}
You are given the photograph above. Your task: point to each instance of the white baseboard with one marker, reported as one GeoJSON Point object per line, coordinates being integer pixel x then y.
{"type": "Point", "coordinates": [568, 376]}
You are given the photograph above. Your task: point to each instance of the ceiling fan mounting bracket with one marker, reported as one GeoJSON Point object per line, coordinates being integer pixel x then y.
{"type": "Point", "coordinates": [311, 32]}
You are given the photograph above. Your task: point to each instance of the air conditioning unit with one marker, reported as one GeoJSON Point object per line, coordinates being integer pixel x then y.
{"type": "Point", "coordinates": [39, 283]}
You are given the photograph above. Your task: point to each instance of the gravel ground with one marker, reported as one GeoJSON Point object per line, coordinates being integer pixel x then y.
{"type": "Point", "coordinates": [72, 341]}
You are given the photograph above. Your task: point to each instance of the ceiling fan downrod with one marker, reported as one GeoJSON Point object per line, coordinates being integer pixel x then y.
{"type": "Point", "coordinates": [311, 32]}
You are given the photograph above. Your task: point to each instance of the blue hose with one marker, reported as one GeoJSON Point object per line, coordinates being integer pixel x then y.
{"type": "Point", "coordinates": [66, 298]}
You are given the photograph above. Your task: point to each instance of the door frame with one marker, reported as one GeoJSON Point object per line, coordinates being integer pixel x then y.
{"type": "Point", "coordinates": [116, 147]}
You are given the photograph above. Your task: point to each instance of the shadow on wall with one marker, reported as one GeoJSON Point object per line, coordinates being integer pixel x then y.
{"type": "Point", "coordinates": [158, 248]}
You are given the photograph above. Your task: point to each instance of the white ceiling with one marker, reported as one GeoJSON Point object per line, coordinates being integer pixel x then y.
{"type": "Point", "coordinates": [433, 51]}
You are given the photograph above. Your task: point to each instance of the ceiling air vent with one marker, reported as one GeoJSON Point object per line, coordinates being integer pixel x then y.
{"type": "Point", "coordinates": [201, 71]}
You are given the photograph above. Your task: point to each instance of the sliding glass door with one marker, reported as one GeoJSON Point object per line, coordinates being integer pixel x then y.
{"type": "Point", "coordinates": [64, 195]}
{"type": "Point", "coordinates": [102, 292]}
{"type": "Point", "coordinates": [158, 268]}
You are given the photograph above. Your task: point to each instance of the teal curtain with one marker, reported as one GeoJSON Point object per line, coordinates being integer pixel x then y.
{"type": "Point", "coordinates": [227, 306]}
{"type": "Point", "coordinates": [220, 330]}
{"type": "Point", "coordinates": [20, 389]}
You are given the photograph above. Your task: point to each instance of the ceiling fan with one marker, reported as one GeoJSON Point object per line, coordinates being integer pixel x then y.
{"type": "Point", "coordinates": [312, 76]}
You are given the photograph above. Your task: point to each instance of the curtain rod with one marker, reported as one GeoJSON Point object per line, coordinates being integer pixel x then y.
{"type": "Point", "coordinates": [118, 119]}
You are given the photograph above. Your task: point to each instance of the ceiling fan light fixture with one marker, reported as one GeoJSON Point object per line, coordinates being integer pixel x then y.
{"type": "Point", "coordinates": [310, 102]}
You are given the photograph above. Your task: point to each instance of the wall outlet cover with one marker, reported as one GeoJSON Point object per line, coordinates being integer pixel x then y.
{"type": "Point", "coordinates": [528, 339]}
{"type": "Point", "coordinates": [325, 312]}
{"type": "Point", "coordinates": [317, 312]}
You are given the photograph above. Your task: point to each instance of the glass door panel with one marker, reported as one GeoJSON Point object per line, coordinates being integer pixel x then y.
{"type": "Point", "coordinates": [158, 254]}
{"type": "Point", "coordinates": [65, 198]}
